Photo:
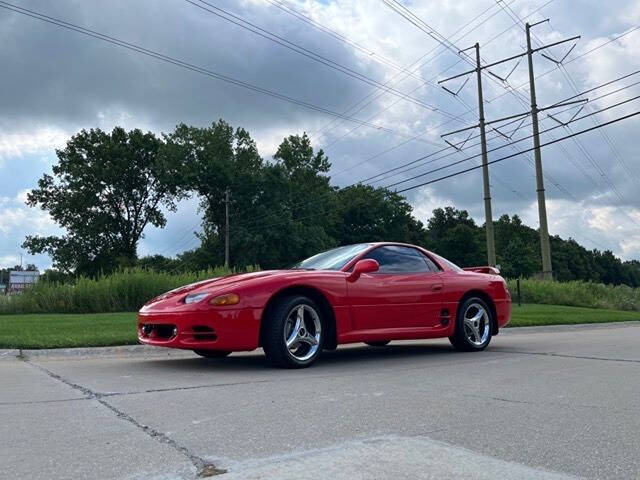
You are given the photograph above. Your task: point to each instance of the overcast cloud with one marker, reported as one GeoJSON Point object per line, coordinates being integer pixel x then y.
{"type": "Point", "coordinates": [55, 82]}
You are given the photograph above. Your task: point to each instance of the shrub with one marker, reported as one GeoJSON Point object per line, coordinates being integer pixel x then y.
{"type": "Point", "coordinates": [123, 291]}
{"type": "Point", "coordinates": [577, 294]}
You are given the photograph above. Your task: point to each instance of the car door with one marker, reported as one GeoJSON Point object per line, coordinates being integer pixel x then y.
{"type": "Point", "coordinates": [403, 293]}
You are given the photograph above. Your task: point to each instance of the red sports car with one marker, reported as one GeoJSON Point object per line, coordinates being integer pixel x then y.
{"type": "Point", "coordinates": [369, 292]}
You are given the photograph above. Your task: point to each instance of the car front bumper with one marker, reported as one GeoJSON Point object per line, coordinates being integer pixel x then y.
{"type": "Point", "coordinates": [224, 329]}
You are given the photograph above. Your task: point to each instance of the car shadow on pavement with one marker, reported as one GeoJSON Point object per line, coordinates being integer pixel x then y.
{"type": "Point", "coordinates": [345, 356]}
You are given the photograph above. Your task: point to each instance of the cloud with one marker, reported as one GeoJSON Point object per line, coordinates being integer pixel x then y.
{"type": "Point", "coordinates": [14, 214]}
{"type": "Point", "coordinates": [40, 139]}
{"type": "Point", "coordinates": [56, 82]}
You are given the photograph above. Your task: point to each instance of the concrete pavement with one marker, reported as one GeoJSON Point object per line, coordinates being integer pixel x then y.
{"type": "Point", "coordinates": [551, 403]}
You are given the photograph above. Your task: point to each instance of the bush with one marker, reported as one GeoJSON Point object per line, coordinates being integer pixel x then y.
{"type": "Point", "coordinates": [128, 290]}
{"type": "Point", "coordinates": [577, 294]}
{"type": "Point", "coordinates": [123, 291]}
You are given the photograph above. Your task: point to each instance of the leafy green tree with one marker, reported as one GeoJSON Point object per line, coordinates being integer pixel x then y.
{"type": "Point", "coordinates": [369, 214]}
{"type": "Point", "coordinates": [288, 213]}
{"type": "Point", "coordinates": [518, 259]}
{"type": "Point", "coordinates": [214, 160]}
{"type": "Point", "coordinates": [453, 234]}
{"type": "Point", "coordinates": [298, 205]}
{"type": "Point", "coordinates": [158, 263]}
{"type": "Point", "coordinates": [104, 191]}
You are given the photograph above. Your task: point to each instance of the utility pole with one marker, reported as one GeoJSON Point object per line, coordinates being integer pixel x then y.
{"type": "Point", "coordinates": [545, 248]}
{"type": "Point", "coordinates": [544, 230]}
{"type": "Point", "coordinates": [488, 217]}
{"type": "Point", "coordinates": [226, 230]}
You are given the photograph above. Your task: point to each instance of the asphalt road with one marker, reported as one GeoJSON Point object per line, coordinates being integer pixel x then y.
{"type": "Point", "coordinates": [548, 403]}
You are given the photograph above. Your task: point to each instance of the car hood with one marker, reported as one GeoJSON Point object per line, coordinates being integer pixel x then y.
{"type": "Point", "coordinates": [216, 283]}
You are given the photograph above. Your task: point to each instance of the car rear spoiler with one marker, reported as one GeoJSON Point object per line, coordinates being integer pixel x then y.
{"type": "Point", "coordinates": [487, 269]}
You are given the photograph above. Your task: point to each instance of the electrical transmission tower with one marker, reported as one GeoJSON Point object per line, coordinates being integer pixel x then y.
{"type": "Point", "coordinates": [547, 272]}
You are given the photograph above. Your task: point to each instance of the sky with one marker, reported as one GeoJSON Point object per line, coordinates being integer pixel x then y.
{"type": "Point", "coordinates": [378, 68]}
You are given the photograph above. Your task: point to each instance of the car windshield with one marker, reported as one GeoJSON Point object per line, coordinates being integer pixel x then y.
{"type": "Point", "coordinates": [333, 259]}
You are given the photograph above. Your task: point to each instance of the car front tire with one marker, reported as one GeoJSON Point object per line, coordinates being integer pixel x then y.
{"type": "Point", "coordinates": [473, 326]}
{"type": "Point", "coordinates": [294, 333]}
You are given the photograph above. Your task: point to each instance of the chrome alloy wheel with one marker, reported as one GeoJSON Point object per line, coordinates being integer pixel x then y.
{"type": "Point", "coordinates": [302, 331]}
{"type": "Point", "coordinates": [476, 324]}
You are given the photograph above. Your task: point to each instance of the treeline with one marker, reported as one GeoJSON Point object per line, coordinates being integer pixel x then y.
{"type": "Point", "coordinates": [108, 187]}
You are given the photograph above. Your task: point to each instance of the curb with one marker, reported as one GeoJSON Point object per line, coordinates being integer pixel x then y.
{"type": "Point", "coordinates": [83, 352]}
{"type": "Point", "coordinates": [151, 351]}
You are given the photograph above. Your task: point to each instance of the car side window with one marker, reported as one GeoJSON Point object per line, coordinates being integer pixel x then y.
{"type": "Point", "coordinates": [430, 263]}
{"type": "Point", "coordinates": [397, 259]}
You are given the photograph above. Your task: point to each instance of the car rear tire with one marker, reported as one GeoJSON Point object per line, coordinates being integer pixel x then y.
{"type": "Point", "coordinates": [473, 326]}
{"type": "Point", "coordinates": [379, 343]}
{"type": "Point", "coordinates": [212, 353]}
{"type": "Point", "coordinates": [294, 333]}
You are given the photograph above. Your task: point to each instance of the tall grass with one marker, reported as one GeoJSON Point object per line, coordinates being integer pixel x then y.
{"type": "Point", "coordinates": [128, 290]}
{"type": "Point", "coordinates": [577, 294]}
{"type": "Point", "coordinates": [123, 291]}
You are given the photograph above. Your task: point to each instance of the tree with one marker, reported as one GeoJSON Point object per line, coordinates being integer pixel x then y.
{"type": "Point", "coordinates": [157, 262]}
{"type": "Point", "coordinates": [453, 234]}
{"type": "Point", "coordinates": [298, 205]}
{"type": "Point", "coordinates": [280, 211]}
{"type": "Point", "coordinates": [104, 191]}
{"type": "Point", "coordinates": [369, 214]}
{"type": "Point", "coordinates": [213, 160]}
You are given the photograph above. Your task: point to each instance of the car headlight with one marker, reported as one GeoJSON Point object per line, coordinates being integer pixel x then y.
{"type": "Point", "coordinates": [227, 299]}
{"type": "Point", "coordinates": [195, 297]}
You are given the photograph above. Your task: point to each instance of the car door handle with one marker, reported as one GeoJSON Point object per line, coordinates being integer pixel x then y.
{"type": "Point", "coordinates": [437, 287]}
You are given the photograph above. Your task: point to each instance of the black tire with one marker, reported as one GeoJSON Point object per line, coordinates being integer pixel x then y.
{"type": "Point", "coordinates": [379, 343]}
{"type": "Point", "coordinates": [212, 353]}
{"type": "Point", "coordinates": [276, 328]}
{"type": "Point", "coordinates": [461, 336]}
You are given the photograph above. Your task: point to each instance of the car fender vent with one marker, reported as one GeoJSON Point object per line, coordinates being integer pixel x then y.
{"type": "Point", "coordinates": [444, 316]}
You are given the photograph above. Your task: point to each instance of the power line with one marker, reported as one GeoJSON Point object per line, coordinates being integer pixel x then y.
{"type": "Point", "coordinates": [311, 202]}
{"type": "Point", "coordinates": [183, 64]}
{"type": "Point", "coordinates": [461, 172]}
{"type": "Point", "coordinates": [579, 144]}
{"type": "Point", "coordinates": [514, 142]}
{"type": "Point", "coordinates": [254, 220]}
{"type": "Point", "coordinates": [523, 126]}
{"type": "Point", "coordinates": [604, 44]}
{"type": "Point", "coordinates": [572, 135]}
{"type": "Point", "coordinates": [252, 226]}
{"type": "Point", "coordinates": [374, 96]}
{"type": "Point", "coordinates": [469, 110]}
{"type": "Point", "coordinates": [236, 20]}
{"type": "Point", "coordinates": [510, 144]}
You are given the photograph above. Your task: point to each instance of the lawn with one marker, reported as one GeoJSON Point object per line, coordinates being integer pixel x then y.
{"type": "Point", "coordinates": [529, 315]}
{"type": "Point", "coordinates": [104, 329]}
{"type": "Point", "coordinates": [67, 330]}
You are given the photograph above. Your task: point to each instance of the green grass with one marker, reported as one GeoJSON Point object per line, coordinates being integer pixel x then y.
{"type": "Point", "coordinates": [123, 291]}
{"type": "Point", "coordinates": [67, 330]}
{"type": "Point", "coordinates": [104, 329]}
{"type": "Point", "coordinates": [529, 315]}
{"type": "Point", "coordinates": [577, 294]}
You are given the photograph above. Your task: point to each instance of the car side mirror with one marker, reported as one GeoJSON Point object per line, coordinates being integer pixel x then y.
{"type": "Point", "coordinates": [368, 265]}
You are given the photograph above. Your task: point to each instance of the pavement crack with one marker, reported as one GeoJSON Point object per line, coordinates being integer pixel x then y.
{"type": "Point", "coordinates": [582, 357]}
{"type": "Point", "coordinates": [203, 467]}
{"type": "Point", "coordinates": [36, 402]}
{"type": "Point", "coordinates": [177, 389]}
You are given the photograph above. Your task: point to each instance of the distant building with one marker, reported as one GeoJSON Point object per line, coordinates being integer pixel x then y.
{"type": "Point", "coordinates": [19, 280]}
{"type": "Point", "coordinates": [3, 288]}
